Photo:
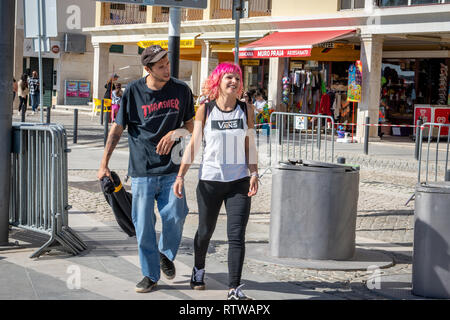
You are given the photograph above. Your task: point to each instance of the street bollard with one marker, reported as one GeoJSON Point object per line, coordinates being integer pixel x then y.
{"type": "Point", "coordinates": [341, 160]}
{"type": "Point", "coordinates": [22, 113]}
{"type": "Point", "coordinates": [105, 131]}
{"type": "Point", "coordinates": [101, 113]}
{"type": "Point", "coordinates": [447, 175]}
{"type": "Point", "coordinates": [257, 138]}
{"type": "Point", "coordinates": [75, 126]}
{"type": "Point", "coordinates": [416, 153]}
{"type": "Point", "coordinates": [366, 136]}
{"type": "Point", "coordinates": [48, 113]}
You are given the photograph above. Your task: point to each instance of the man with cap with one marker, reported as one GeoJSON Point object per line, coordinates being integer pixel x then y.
{"type": "Point", "coordinates": [158, 110]}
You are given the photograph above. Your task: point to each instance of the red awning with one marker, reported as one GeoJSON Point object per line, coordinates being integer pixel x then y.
{"type": "Point", "coordinates": [288, 44]}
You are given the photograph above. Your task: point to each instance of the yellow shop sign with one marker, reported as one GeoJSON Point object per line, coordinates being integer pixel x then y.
{"type": "Point", "coordinates": [189, 43]}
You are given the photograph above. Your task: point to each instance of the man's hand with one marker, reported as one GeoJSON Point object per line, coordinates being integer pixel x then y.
{"type": "Point", "coordinates": [165, 144]}
{"type": "Point", "coordinates": [103, 172]}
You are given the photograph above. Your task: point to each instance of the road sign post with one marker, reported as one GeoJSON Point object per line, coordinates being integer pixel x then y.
{"type": "Point", "coordinates": [174, 40]}
{"type": "Point", "coordinates": [40, 23]}
{"type": "Point", "coordinates": [7, 8]}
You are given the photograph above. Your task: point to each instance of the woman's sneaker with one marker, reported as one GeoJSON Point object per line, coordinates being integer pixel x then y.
{"type": "Point", "coordinates": [197, 277]}
{"type": "Point", "coordinates": [146, 285]}
{"type": "Point", "coordinates": [237, 294]}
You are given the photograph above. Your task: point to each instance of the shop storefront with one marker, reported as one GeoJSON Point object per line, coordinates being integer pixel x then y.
{"type": "Point", "coordinates": [255, 73]}
{"type": "Point", "coordinates": [413, 89]}
{"type": "Point", "coordinates": [315, 76]}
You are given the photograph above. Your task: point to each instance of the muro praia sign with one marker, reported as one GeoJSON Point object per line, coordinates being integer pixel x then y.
{"type": "Point", "coordinates": [275, 53]}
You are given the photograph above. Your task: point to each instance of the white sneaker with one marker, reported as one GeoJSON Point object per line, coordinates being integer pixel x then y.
{"type": "Point", "coordinates": [32, 113]}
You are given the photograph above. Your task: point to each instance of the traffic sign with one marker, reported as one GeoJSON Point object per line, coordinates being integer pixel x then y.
{"type": "Point", "coordinates": [49, 18]}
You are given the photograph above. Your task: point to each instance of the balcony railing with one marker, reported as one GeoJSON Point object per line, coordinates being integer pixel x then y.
{"type": "Point", "coordinates": [400, 3]}
{"type": "Point", "coordinates": [256, 8]}
{"type": "Point", "coordinates": [162, 14]}
{"type": "Point", "coordinates": [119, 13]}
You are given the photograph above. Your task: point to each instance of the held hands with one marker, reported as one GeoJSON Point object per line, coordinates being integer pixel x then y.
{"type": "Point", "coordinates": [165, 144]}
{"type": "Point", "coordinates": [253, 186]}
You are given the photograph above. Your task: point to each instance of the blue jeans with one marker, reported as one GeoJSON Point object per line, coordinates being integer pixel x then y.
{"type": "Point", "coordinates": [34, 101]}
{"type": "Point", "coordinates": [173, 213]}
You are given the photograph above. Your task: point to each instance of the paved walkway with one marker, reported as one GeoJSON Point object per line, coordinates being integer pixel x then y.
{"type": "Point", "coordinates": [110, 268]}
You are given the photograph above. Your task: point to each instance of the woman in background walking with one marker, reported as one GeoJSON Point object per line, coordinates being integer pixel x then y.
{"type": "Point", "coordinates": [22, 92]}
{"type": "Point", "coordinates": [116, 99]}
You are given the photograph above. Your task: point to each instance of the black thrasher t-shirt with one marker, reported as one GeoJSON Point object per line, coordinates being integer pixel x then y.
{"type": "Point", "coordinates": [150, 115]}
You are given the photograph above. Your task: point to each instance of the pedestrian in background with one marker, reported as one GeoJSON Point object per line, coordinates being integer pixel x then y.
{"type": "Point", "coordinates": [259, 101]}
{"type": "Point", "coordinates": [222, 180]}
{"type": "Point", "coordinates": [15, 88]}
{"type": "Point", "coordinates": [116, 99]}
{"type": "Point", "coordinates": [110, 86]}
{"type": "Point", "coordinates": [22, 92]}
{"type": "Point", "coordinates": [33, 85]}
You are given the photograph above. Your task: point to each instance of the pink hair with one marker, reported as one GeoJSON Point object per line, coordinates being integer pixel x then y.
{"type": "Point", "coordinates": [212, 84]}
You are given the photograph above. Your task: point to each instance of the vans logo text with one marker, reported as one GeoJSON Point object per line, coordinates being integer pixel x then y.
{"type": "Point", "coordinates": [227, 124]}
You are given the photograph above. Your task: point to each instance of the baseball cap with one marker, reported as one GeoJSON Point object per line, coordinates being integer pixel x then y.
{"type": "Point", "coordinates": [152, 54]}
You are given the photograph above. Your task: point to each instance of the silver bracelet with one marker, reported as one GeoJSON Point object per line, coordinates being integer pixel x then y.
{"type": "Point", "coordinates": [254, 174]}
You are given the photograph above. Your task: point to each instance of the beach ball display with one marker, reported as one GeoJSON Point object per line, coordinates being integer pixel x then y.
{"type": "Point", "coordinates": [285, 80]}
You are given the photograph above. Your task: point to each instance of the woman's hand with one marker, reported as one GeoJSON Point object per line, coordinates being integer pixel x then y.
{"type": "Point", "coordinates": [253, 186]}
{"type": "Point", "coordinates": [178, 188]}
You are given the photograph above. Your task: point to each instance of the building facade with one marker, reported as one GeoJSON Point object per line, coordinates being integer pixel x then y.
{"type": "Point", "coordinates": [403, 46]}
{"type": "Point", "coordinates": [74, 61]}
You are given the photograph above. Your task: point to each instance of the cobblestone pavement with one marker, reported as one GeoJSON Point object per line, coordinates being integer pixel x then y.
{"type": "Point", "coordinates": [382, 215]}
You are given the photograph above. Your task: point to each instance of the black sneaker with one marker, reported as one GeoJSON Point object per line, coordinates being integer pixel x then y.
{"type": "Point", "coordinates": [197, 282]}
{"type": "Point", "coordinates": [237, 294]}
{"type": "Point", "coordinates": [146, 285]}
{"type": "Point", "coordinates": [167, 266]}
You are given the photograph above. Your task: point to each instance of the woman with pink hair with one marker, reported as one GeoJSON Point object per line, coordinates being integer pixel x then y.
{"type": "Point", "coordinates": [228, 172]}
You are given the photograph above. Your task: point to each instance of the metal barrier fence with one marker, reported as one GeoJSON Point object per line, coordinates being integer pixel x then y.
{"type": "Point", "coordinates": [39, 185]}
{"type": "Point", "coordinates": [301, 137]}
{"type": "Point", "coordinates": [431, 129]}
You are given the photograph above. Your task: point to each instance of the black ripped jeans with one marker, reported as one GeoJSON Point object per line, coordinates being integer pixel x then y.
{"type": "Point", "coordinates": [210, 196]}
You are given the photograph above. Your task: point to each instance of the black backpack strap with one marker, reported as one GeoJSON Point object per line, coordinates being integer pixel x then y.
{"type": "Point", "coordinates": [244, 108]}
{"type": "Point", "coordinates": [208, 108]}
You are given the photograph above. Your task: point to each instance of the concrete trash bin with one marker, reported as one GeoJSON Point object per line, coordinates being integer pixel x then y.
{"type": "Point", "coordinates": [313, 211]}
{"type": "Point", "coordinates": [431, 247]}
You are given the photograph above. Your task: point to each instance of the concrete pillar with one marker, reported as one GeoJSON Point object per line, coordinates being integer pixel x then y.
{"type": "Point", "coordinates": [371, 59]}
{"type": "Point", "coordinates": [208, 12]}
{"type": "Point", "coordinates": [101, 66]}
{"type": "Point", "coordinates": [99, 14]}
{"type": "Point", "coordinates": [195, 77]}
{"type": "Point", "coordinates": [276, 71]}
{"type": "Point", "coordinates": [208, 62]}
{"type": "Point", "coordinates": [151, 14]}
